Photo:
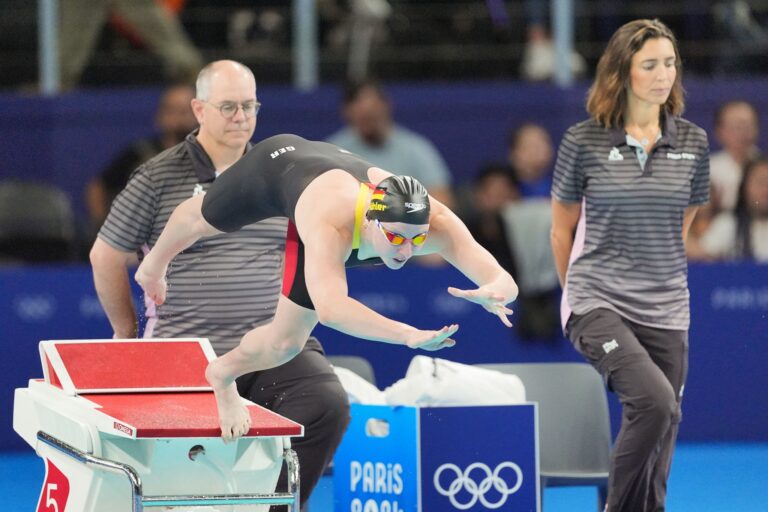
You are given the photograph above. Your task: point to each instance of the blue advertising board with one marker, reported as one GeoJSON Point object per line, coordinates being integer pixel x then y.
{"type": "Point", "coordinates": [728, 336]}
{"type": "Point", "coordinates": [479, 458]}
{"type": "Point", "coordinates": [376, 464]}
{"type": "Point", "coordinates": [409, 459]}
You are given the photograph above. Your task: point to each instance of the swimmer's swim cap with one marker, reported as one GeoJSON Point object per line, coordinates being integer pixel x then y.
{"type": "Point", "coordinates": [400, 199]}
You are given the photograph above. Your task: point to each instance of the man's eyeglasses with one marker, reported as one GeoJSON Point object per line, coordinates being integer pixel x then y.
{"type": "Point", "coordinates": [229, 109]}
{"type": "Point", "coordinates": [398, 239]}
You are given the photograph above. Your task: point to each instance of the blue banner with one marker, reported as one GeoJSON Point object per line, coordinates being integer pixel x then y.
{"type": "Point", "coordinates": [479, 459]}
{"type": "Point", "coordinates": [376, 465]}
{"type": "Point", "coordinates": [408, 459]}
{"type": "Point", "coordinates": [728, 338]}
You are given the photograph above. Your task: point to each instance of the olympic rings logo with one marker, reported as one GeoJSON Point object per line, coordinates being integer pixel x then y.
{"type": "Point", "coordinates": [463, 481]}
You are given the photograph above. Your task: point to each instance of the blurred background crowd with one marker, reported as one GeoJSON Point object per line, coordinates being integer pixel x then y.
{"type": "Point", "coordinates": [363, 48]}
{"type": "Point", "coordinates": [119, 42]}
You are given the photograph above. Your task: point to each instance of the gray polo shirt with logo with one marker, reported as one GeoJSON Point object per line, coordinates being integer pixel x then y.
{"type": "Point", "coordinates": [225, 284]}
{"type": "Point", "coordinates": [628, 253]}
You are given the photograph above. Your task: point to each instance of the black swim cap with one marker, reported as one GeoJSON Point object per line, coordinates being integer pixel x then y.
{"type": "Point", "coordinates": [400, 199]}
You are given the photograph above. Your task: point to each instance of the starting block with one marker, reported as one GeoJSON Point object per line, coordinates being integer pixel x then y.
{"type": "Point", "coordinates": [124, 425]}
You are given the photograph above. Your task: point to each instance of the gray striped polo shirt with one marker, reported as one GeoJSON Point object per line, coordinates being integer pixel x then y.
{"type": "Point", "coordinates": [628, 253]}
{"type": "Point", "coordinates": [222, 286]}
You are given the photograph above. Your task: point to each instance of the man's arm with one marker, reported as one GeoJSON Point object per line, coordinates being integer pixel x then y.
{"type": "Point", "coordinates": [110, 276]}
{"type": "Point", "coordinates": [324, 254]}
{"type": "Point", "coordinates": [565, 217]}
{"type": "Point", "coordinates": [185, 226]}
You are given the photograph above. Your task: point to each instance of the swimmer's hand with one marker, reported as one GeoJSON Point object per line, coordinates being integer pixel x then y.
{"type": "Point", "coordinates": [432, 340]}
{"type": "Point", "coordinates": [492, 301]}
{"type": "Point", "coordinates": [153, 283]}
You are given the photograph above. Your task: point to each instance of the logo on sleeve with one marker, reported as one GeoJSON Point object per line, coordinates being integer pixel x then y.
{"type": "Point", "coordinates": [197, 190]}
{"type": "Point", "coordinates": [281, 151]}
{"type": "Point", "coordinates": [610, 346]}
{"type": "Point", "coordinates": [615, 154]}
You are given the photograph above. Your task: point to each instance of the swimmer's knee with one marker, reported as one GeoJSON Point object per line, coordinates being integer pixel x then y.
{"type": "Point", "coordinates": [288, 348]}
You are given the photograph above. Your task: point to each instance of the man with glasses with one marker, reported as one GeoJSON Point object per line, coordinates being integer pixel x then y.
{"type": "Point", "coordinates": [224, 285]}
{"type": "Point", "coordinates": [229, 109]}
{"type": "Point", "coordinates": [338, 218]}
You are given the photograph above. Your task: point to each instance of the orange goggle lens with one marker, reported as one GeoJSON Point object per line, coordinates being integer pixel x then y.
{"type": "Point", "coordinates": [398, 239]}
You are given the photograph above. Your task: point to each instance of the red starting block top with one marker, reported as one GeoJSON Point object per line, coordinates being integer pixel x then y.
{"type": "Point", "coordinates": [182, 415]}
{"type": "Point", "coordinates": [108, 366]}
{"type": "Point", "coordinates": [148, 388]}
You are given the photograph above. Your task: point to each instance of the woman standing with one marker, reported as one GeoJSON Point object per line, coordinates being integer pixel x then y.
{"type": "Point", "coordinates": [627, 184]}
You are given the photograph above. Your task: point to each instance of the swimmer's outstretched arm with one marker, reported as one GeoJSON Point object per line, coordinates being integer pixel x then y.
{"type": "Point", "coordinates": [325, 252]}
{"type": "Point", "coordinates": [185, 226]}
{"type": "Point", "coordinates": [450, 238]}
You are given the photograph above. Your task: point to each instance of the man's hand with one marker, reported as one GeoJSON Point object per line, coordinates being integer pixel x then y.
{"type": "Point", "coordinates": [492, 301]}
{"type": "Point", "coordinates": [432, 340]}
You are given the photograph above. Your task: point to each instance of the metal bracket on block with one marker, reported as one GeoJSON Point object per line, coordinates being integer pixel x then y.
{"type": "Point", "coordinates": [139, 501]}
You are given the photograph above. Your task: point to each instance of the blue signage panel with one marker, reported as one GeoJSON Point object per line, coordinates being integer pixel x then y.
{"type": "Point", "coordinates": [479, 458]}
{"type": "Point", "coordinates": [408, 459]}
{"type": "Point", "coordinates": [375, 467]}
{"type": "Point", "coordinates": [728, 340]}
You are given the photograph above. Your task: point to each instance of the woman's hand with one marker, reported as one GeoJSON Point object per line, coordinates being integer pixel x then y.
{"type": "Point", "coordinates": [432, 340]}
{"type": "Point", "coordinates": [493, 302]}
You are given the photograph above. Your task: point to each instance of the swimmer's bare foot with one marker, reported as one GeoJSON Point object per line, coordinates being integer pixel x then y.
{"type": "Point", "coordinates": [234, 419]}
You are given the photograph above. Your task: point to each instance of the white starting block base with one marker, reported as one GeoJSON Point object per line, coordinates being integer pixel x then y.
{"type": "Point", "coordinates": [146, 447]}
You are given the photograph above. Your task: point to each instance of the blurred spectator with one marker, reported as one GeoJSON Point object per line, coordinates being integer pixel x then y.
{"type": "Point", "coordinates": [742, 39]}
{"type": "Point", "coordinates": [367, 17]}
{"type": "Point", "coordinates": [253, 26]}
{"type": "Point", "coordinates": [149, 22]}
{"type": "Point", "coordinates": [258, 26]}
{"type": "Point", "coordinates": [538, 62]}
{"type": "Point", "coordinates": [515, 231]}
{"type": "Point", "coordinates": [528, 222]}
{"type": "Point", "coordinates": [493, 188]}
{"type": "Point", "coordinates": [743, 233]}
{"type": "Point", "coordinates": [174, 119]}
{"type": "Point", "coordinates": [372, 134]}
{"type": "Point", "coordinates": [736, 129]}
{"type": "Point", "coordinates": [530, 156]}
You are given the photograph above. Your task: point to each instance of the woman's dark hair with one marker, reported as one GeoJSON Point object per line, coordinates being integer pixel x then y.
{"type": "Point", "coordinates": [607, 98]}
{"type": "Point", "coordinates": [743, 247]}
{"type": "Point", "coordinates": [353, 90]}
